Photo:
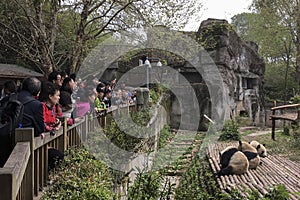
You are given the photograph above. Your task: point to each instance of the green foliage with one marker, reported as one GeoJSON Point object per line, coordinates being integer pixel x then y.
{"type": "Point", "coordinates": [121, 138]}
{"type": "Point", "coordinates": [125, 134]}
{"type": "Point", "coordinates": [141, 117]}
{"type": "Point", "coordinates": [253, 195]}
{"type": "Point", "coordinates": [197, 182]}
{"type": "Point", "coordinates": [286, 130]}
{"type": "Point", "coordinates": [230, 131]}
{"type": "Point", "coordinates": [165, 136]}
{"type": "Point", "coordinates": [120, 133]}
{"type": "Point", "coordinates": [80, 176]}
{"type": "Point", "coordinates": [146, 186]}
{"type": "Point", "coordinates": [69, 33]}
{"type": "Point", "coordinates": [243, 120]}
{"type": "Point", "coordinates": [295, 99]}
{"type": "Point", "coordinates": [274, 87]}
{"type": "Point", "coordinates": [278, 192]}
{"type": "Point", "coordinates": [156, 92]}
{"type": "Point", "coordinates": [154, 96]}
{"type": "Point", "coordinates": [296, 136]}
{"type": "Point", "coordinates": [210, 37]}
{"type": "Point", "coordinates": [275, 43]}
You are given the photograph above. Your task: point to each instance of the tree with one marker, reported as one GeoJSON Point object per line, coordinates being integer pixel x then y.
{"type": "Point", "coordinates": [55, 34]}
{"type": "Point", "coordinates": [27, 32]}
{"type": "Point", "coordinates": [288, 13]}
{"type": "Point", "coordinates": [275, 46]}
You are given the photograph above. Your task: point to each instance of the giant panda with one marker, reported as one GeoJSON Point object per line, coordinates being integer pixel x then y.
{"type": "Point", "coordinates": [261, 148]}
{"type": "Point", "coordinates": [251, 154]}
{"type": "Point", "coordinates": [233, 161]}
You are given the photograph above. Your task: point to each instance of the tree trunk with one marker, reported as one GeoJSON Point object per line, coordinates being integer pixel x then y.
{"type": "Point", "coordinates": [297, 36]}
{"type": "Point", "coordinates": [79, 41]}
{"type": "Point", "coordinates": [41, 41]}
{"type": "Point", "coordinates": [76, 53]}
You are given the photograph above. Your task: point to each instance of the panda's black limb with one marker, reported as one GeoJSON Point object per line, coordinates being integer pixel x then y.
{"type": "Point", "coordinates": [225, 171]}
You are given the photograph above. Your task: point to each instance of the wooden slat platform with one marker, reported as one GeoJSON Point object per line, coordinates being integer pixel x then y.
{"type": "Point", "coordinates": [274, 170]}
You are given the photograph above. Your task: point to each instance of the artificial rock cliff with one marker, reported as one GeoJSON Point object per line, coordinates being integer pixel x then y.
{"type": "Point", "coordinates": [241, 68]}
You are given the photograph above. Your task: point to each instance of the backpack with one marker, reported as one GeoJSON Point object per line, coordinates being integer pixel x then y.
{"type": "Point", "coordinates": [13, 110]}
{"type": "Point", "coordinates": [11, 114]}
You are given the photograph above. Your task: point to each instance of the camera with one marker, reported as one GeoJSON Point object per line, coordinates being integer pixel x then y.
{"type": "Point", "coordinates": [52, 132]}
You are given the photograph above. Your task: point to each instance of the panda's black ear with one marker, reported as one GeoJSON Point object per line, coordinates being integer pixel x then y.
{"type": "Point", "coordinates": [264, 145]}
{"type": "Point", "coordinates": [249, 142]}
{"type": "Point", "coordinates": [240, 142]}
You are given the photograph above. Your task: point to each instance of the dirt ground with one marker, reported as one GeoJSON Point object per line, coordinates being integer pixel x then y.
{"type": "Point", "coordinates": [283, 145]}
{"type": "Point", "coordinates": [254, 132]}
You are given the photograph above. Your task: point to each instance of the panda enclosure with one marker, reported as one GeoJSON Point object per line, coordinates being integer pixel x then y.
{"type": "Point", "coordinates": [274, 170]}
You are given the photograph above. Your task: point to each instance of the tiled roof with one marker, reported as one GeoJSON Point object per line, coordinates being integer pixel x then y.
{"type": "Point", "coordinates": [15, 71]}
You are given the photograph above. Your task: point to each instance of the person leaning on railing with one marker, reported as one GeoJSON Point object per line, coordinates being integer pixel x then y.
{"type": "Point", "coordinates": [33, 110]}
{"type": "Point", "coordinates": [69, 85]}
{"type": "Point", "coordinates": [100, 106]}
{"type": "Point", "coordinates": [67, 107]}
{"type": "Point", "coordinates": [49, 97]}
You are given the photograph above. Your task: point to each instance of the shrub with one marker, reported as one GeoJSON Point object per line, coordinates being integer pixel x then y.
{"type": "Point", "coordinates": [295, 99]}
{"type": "Point", "coordinates": [81, 176]}
{"type": "Point", "coordinates": [286, 130]}
{"type": "Point", "coordinates": [197, 182]}
{"type": "Point", "coordinates": [145, 186]}
{"type": "Point", "coordinates": [230, 131]}
{"type": "Point", "coordinates": [165, 136]}
{"type": "Point", "coordinates": [278, 192]}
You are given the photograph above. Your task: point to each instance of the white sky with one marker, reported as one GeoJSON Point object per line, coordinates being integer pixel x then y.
{"type": "Point", "coordinates": [220, 9]}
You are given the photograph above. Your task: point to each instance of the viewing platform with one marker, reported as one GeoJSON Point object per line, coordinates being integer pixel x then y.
{"type": "Point", "coordinates": [25, 174]}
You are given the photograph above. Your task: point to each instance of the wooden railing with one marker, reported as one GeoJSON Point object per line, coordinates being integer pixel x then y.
{"type": "Point", "coordinates": [286, 112]}
{"type": "Point", "coordinates": [25, 173]}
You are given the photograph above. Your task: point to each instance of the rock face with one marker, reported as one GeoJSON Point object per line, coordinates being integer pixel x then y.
{"type": "Point", "coordinates": [240, 66]}
{"type": "Point", "coordinates": [241, 69]}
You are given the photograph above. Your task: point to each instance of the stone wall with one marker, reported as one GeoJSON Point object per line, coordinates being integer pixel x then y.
{"type": "Point", "coordinates": [241, 68]}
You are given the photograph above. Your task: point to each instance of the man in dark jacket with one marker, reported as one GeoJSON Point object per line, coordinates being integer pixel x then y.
{"type": "Point", "coordinates": [33, 109]}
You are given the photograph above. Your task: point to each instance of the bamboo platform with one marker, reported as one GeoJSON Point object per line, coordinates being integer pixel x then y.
{"type": "Point", "coordinates": [274, 170]}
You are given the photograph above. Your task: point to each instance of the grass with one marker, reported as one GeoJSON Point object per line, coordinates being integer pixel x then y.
{"type": "Point", "coordinates": [284, 145]}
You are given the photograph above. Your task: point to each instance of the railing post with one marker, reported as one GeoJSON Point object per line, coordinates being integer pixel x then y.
{"type": "Point", "coordinates": [84, 129]}
{"type": "Point", "coordinates": [103, 121]}
{"type": "Point", "coordinates": [7, 184]}
{"type": "Point", "coordinates": [65, 135]}
{"type": "Point", "coordinates": [273, 125]}
{"type": "Point", "coordinates": [27, 135]}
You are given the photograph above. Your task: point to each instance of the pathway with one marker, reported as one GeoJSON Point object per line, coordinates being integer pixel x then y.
{"type": "Point", "coordinates": [175, 171]}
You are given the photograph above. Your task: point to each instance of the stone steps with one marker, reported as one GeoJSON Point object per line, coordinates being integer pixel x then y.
{"type": "Point", "coordinates": [175, 171]}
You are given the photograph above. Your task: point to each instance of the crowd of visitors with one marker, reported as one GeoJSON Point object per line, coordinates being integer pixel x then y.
{"type": "Point", "coordinates": [47, 102]}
